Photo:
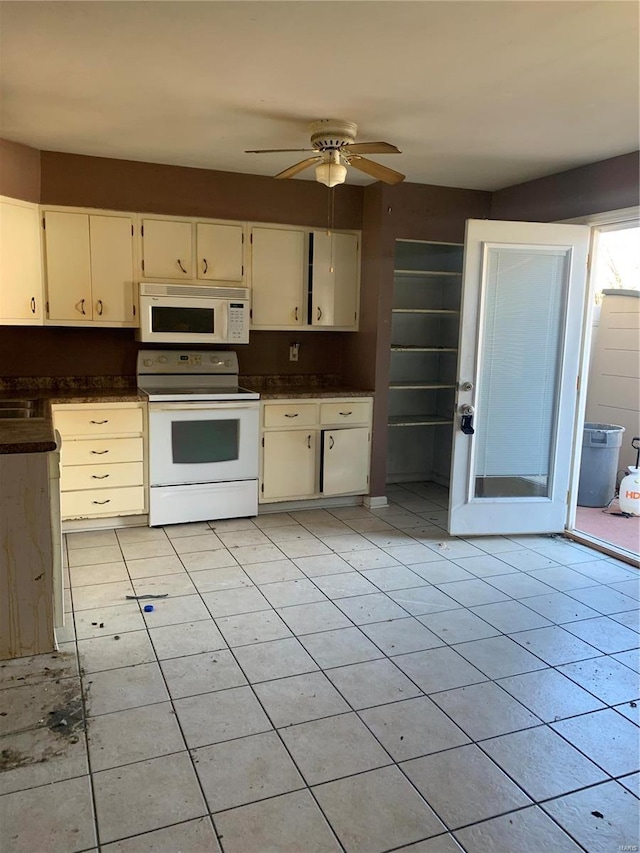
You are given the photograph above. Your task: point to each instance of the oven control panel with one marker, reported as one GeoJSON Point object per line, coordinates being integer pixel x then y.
{"type": "Point", "coordinates": [187, 362]}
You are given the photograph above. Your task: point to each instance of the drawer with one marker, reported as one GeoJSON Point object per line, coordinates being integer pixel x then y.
{"type": "Point", "coordinates": [101, 452]}
{"type": "Point", "coordinates": [97, 476]}
{"type": "Point", "coordinates": [290, 414]}
{"type": "Point", "coordinates": [98, 421]}
{"type": "Point", "coordinates": [348, 412]}
{"type": "Point", "coordinates": [92, 502]}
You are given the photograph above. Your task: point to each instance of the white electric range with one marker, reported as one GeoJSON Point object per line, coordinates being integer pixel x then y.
{"type": "Point", "coordinates": [203, 436]}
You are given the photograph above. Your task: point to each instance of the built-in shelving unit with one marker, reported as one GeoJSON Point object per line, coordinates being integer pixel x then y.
{"type": "Point", "coordinates": [425, 321]}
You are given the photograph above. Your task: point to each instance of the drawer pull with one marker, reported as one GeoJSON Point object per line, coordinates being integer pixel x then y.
{"type": "Point", "coordinates": [319, 313]}
{"type": "Point", "coordinates": [107, 421]}
{"type": "Point", "coordinates": [99, 452]}
{"type": "Point", "coordinates": [331, 442]}
{"type": "Point", "coordinates": [100, 476]}
{"type": "Point", "coordinates": [181, 267]}
{"type": "Point", "coordinates": [345, 414]}
{"type": "Point", "coordinates": [99, 307]}
{"type": "Point", "coordinates": [81, 308]}
{"type": "Point", "coordinates": [295, 314]}
{"type": "Point", "coordinates": [292, 416]}
{"type": "Point", "coordinates": [205, 266]}
{"type": "Point", "coordinates": [33, 305]}
{"type": "Point", "coordinates": [108, 501]}
{"type": "Point", "coordinates": [309, 442]}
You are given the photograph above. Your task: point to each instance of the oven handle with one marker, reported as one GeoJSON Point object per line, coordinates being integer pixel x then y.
{"type": "Point", "coordinates": [211, 405]}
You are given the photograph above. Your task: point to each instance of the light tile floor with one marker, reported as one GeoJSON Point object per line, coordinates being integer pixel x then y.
{"type": "Point", "coordinates": [329, 680]}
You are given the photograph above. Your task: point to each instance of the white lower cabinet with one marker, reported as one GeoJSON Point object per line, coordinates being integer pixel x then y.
{"type": "Point", "coordinates": [315, 448]}
{"type": "Point", "coordinates": [102, 459]}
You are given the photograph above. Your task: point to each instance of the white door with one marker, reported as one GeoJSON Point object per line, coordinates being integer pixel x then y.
{"type": "Point", "coordinates": [523, 304]}
{"type": "Point", "coordinates": [335, 279]}
{"type": "Point", "coordinates": [345, 461]}
{"type": "Point", "coordinates": [112, 268]}
{"type": "Point", "coordinates": [277, 277]}
{"type": "Point", "coordinates": [219, 252]}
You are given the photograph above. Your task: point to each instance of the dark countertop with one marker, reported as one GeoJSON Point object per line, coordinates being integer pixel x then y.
{"type": "Point", "coordinates": [291, 392]}
{"type": "Point", "coordinates": [35, 435]}
{"type": "Point", "coordinates": [283, 386]}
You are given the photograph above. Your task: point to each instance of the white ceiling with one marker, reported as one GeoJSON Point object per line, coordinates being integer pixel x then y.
{"type": "Point", "coordinates": [475, 94]}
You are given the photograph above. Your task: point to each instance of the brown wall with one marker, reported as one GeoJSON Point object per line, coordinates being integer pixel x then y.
{"type": "Point", "coordinates": [607, 185]}
{"type": "Point", "coordinates": [19, 171]}
{"type": "Point", "coordinates": [69, 179]}
{"type": "Point", "coordinates": [72, 179]}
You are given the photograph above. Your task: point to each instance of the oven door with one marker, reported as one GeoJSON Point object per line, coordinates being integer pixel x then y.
{"type": "Point", "coordinates": [166, 319]}
{"type": "Point", "coordinates": [202, 442]}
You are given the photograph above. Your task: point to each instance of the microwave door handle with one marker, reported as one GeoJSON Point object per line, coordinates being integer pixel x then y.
{"type": "Point", "coordinates": [224, 336]}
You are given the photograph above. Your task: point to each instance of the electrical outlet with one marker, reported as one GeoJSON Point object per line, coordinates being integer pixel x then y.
{"type": "Point", "coordinates": [294, 349]}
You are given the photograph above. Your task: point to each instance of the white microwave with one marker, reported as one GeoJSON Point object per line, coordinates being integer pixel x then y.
{"type": "Point", "coordinates": [193, 314]}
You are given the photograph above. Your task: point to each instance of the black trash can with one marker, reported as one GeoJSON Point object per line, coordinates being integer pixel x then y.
{"type": "Point", "coordinates": [599, 464]}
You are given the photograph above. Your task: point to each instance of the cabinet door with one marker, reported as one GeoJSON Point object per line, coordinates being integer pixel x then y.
{"type": "Point", "coordinates": [68, 266]}
{"type": "Point", "coordinates": [219, 252]}
{"type": "Point", "coordinates": [345, 461]}
{"type": "Point", "coordinates": [111, 241]}
{"type": "Point", "coordinates": [20, 263]}
{"type": "Point", "coordinates": [277, 277]}
{"type": "Point", "coordinates": [289, 464]}
{"type": "Point", "coordinates": [167, 248]}
{"type": "Point", "coordinates": [335, 279]}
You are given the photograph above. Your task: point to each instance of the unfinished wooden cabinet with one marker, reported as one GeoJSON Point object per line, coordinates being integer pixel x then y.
{"type": "Point", "coordinates": [89, 268]}
{"type": "Point", "coordinates": [21, 287]}
{"type": "Point", "coordinates": [314, 448]}
{"type": "Point", "coordinates": [424, 351]}
{"type": "Point", "coordinates": [102, 459]}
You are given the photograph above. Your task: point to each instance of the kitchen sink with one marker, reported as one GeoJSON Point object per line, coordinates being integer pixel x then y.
{"type": "Point", "coordinates": [20, 409]}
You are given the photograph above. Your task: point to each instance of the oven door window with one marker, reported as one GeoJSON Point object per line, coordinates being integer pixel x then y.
{"type": "Point", "coordinates": [198, 442]}
{"type": "Point", "coordinates": [192, 321]}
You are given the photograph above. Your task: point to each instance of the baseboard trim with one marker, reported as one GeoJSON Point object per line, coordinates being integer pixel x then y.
{"type": "Point", "coordinates": [375, 503]}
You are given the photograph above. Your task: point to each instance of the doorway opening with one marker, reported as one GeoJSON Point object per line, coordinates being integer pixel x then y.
{"type": "Point", "coordinates": [613, 384]}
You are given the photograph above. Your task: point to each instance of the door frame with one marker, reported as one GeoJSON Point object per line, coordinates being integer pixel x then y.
{"type": "Point", "coordinates": [598, 223]}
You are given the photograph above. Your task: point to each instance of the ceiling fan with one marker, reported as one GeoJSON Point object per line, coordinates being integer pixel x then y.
{"type": "Point", "coordinates": [334, 147]}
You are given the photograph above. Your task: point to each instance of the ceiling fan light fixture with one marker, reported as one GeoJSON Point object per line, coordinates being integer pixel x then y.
{"type": "Point", "coordinates": [332, 172]}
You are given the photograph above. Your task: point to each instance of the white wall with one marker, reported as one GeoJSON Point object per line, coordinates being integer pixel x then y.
{"type": "Point", "coordinates": [613, 394]}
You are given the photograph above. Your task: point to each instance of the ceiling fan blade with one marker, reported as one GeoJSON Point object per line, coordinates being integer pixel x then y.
{"type": "Point", "coordinates": [376, 170]}
{"type": "Point", "coordinates": [298, 167]}
{"type": "Point", "coordinates": [372, 148]}
{"type": "Point", "coordinates": [278, 150]}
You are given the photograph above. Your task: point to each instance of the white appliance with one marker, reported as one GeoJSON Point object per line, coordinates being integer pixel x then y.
{"type": "Point", "coordinates": [203, 436]}
{"type": "Point", "coordinates": [193, 314]}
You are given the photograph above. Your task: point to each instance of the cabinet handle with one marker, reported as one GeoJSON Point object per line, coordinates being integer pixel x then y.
{"type": "Point", "coordinates": [309, 442]}
{"type": "Point", "coordinates": [295, 313]}
{"type": "Point", "coordinates": [331, 442]}
{"type": "Point", "coordinates": [205, 266]}
{"type": "Point", "coordinates": [99, 307]}
{"type": "Point", "coordinates": [319, 313]}
{"type": "Point", "coordinates": [99, 452]}
{"type": "Point", "coordinates": [181, 267]}
{"type": "Point", "coordinates": [99, 422]}
{"type": "Point", "coordinates": [108, 501]}
{"type": "Point", "coordinates": [81, 308]}
{"type": "Point", "coordinates": [345, 414]}
{"type": "Point", "coordinates": [291, 416]}
{"type": "Point", "coordinates": [33, 305]}
{"type": "Point", "coordinates": [100, 476]}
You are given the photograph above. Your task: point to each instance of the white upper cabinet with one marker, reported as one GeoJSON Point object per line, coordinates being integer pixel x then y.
{"type": "Point", "coordinates": [21, 290]}
{"type": "Point", "coordinates": [167, 248]}
{"type": "Point", "coordinates": [304, 279]}
{"type": "Point", "coordinates": [335, 279]}
{"type": "Point", "coordinates": [192, 250]}
{"type": "Point", "coordinates": [277, 277]}
{"type": "Point", "coordinates": [219, 252]}
{"type": "Point", "coordinates": [89, 269]}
